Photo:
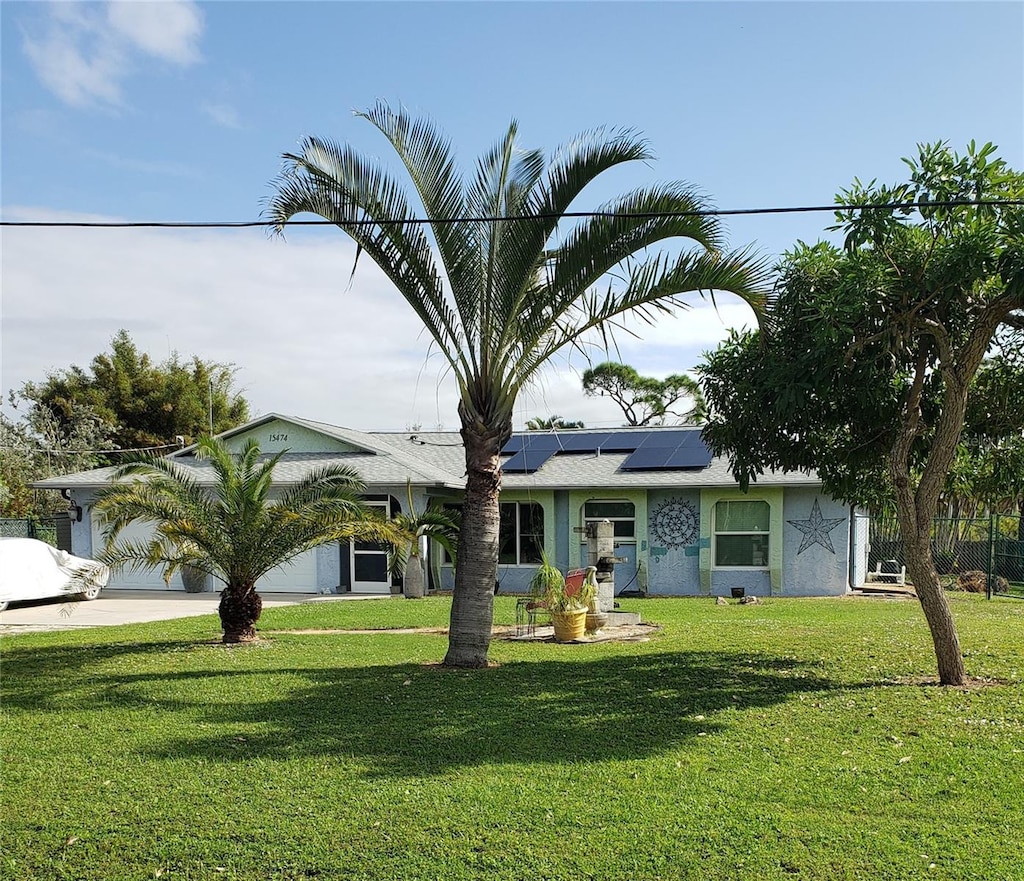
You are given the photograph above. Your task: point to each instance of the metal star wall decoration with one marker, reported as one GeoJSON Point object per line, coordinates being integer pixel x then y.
{"type": "Point", "coordinates": [816, 529]}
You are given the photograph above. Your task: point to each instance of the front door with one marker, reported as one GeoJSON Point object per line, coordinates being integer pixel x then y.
{"type": "Point", "coordinates": [370, 562]}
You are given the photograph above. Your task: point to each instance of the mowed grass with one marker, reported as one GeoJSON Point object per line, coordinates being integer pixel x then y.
{"type": "Point", "coordinates": [792, 739]}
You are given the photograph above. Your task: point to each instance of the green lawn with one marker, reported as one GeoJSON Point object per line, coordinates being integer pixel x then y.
{"type": "Point", "coordinates": [797, 739]}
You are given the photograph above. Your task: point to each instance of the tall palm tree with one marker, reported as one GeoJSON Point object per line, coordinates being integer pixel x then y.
{"type": "Point", "coordinates": [496, 291]}
{"type": "Point", "coordinates": [230, 530]}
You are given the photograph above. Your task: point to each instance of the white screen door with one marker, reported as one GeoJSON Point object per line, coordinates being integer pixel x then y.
{"type": "Point", "coordinates": [370, 562]}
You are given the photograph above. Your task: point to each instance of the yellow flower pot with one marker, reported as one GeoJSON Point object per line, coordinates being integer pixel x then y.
{"type": "Point", "coordinates": [569, 626]}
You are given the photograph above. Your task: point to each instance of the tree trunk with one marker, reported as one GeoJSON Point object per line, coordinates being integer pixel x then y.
{"type": "Point", "coordinates": [917, 505]}
{"type": "Point", "coordinates": [412, 580]}
{"type": "Point", "coordinates": [239, 610]}
{"type": "Point", "coordinates": [469, 635]}
{"type": "Point", "coordinates": [917, 547]}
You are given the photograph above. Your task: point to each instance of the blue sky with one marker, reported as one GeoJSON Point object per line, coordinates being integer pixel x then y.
{"type": "Point", "coordinates": [180, 111]}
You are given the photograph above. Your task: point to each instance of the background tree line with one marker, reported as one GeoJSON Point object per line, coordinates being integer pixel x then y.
{"type": "Point", "coordinates": [77, 418]}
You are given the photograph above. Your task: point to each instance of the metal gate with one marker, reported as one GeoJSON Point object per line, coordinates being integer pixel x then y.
{"type": "Point", "coordinates": [54, 530]}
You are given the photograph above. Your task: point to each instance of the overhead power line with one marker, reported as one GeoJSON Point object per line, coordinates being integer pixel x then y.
{"type": "Point", "coordinates": [645, 215]}
{"type": "Point", "coordinates": [52, 452]}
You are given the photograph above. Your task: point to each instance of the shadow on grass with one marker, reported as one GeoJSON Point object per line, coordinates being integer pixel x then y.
{"type": "Point", "coordinates": [411, 720]}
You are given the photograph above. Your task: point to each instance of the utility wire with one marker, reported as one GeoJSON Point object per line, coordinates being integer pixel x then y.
{"type": "Point", "coordinates": [52, 452]}
{"type": "Point", "coordinates": [643, 215]}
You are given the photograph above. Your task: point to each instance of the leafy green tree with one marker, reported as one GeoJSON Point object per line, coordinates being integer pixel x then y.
{"type": "Point", "coordinates": [645, 400]}
{"type": "Point", "coordinates": [989, 468]}
{"type": "Point", "coordinates": [495, 287]}
{"type": "Point", "coordinates": [864, 375]}
{"type": "Point", "coordinates": [230, 530]}
{"type": "Point", "coordinates": [142, 404]}
{"type": "Point", "coordinates": [41, 446]}
{"type": "Point", "coordinates": [551, 423]}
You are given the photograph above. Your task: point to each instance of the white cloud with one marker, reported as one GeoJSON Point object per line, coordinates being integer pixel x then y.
{"type": "Point", "coordinates": [305, 342]}
{"type": "Point", "coordinates": [169, 29]}
{"type": "Point", "coordinates": [85, 52]}
{"type": "Point", "coordinates": [76, 59]}
{"type": "Point", "coordinates": [223, 114]}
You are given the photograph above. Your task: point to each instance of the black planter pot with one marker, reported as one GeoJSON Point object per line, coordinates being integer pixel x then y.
{"type": "Point", "coordinates": [195, 580]}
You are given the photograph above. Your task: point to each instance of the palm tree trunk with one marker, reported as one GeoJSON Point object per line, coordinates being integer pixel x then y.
{"type": "Point", "coordinates": [239, 610]}
{"type": "Point", "coordinates": [469, 635]}
{"type": "Point", "coordinates": [412, 580]}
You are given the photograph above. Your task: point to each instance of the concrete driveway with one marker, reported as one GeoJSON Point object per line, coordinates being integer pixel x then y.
{"type": "Point", "coordinates": [132, 607]}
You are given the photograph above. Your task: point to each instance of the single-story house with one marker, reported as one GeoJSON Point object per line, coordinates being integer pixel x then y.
{"type": "Point", "coordinates": [682, 526]}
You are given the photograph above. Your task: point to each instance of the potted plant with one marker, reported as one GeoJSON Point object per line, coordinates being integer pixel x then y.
{"type": "Point", "coordinates": [567, 601]}
{"type": "Point", "coordinates": [195, 580]}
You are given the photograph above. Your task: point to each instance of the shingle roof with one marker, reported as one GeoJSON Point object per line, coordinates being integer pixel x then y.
{"type": "Point", "coordinates": [568, 470]}
{"type": "Point", "coordinates": [438, 459]}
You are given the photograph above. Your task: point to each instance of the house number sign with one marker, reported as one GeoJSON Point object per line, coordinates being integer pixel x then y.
{"type": "Point", "coordinates": [278, 437]}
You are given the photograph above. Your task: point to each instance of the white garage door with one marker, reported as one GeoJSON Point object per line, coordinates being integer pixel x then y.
{"type": "Point", "coordinates": [139, 579]}
{"type": "Point", "coordinates": [299, 576]}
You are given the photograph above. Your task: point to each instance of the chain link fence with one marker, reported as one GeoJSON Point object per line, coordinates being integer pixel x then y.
{"type": "Point", "coordinates": [983, 555]}
{"type": "Point", "coordinates": [55, 530]}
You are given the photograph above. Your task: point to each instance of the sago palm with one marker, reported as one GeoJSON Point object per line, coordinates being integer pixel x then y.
{"type": "Point", "coordinates": [231, 529]}
{"type": "Point", "coordinates": [495, 287]}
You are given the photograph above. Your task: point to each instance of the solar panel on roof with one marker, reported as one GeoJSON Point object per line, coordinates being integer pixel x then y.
{"type": "Point", "coordinates": [647, 457]}
{"type": "Point", "coordinates": [671, 449]}
{"type": "Point", "coordinates": [625, 441]}
{"type": "Point", "coordinates": [648, 448]}
{"type": "Point", "coordinates": [586, 442]}
{"type": "Point", "coordinates": [690, 455]}
{"type": "Point", "coordinates": [527, 461]}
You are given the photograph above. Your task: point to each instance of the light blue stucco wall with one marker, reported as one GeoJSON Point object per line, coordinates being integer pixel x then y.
{"type": "Point", "coordinates": [330, 577]}
{"type": "Point", "coordinates": [816, 570]}
{"type": "Point", "coordinates": [81, 532]}
{"type": "Point", "coordinates": [721, 581]}
{"type": "Point", "coordinates": [672, 558]}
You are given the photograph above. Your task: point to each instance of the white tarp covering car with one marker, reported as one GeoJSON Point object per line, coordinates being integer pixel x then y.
{"type": "Point", "coordinates": [32, 570]}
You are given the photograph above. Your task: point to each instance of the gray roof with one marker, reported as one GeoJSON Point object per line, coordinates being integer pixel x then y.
{"type": "Point", "coordinates": [579, 470]}
{"type": "Point", "coordinates": [437, 459]}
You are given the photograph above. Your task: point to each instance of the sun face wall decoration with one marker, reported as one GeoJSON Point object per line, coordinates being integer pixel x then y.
{"type": "Point", "coordinates": [675, 524]}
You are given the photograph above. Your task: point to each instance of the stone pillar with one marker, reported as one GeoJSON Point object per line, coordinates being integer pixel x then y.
{"type": "Point", "coordinates": [601, 555]}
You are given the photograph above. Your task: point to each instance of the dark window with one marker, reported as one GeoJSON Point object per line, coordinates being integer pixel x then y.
{"type": "Point", "coordinates": [521, 533]}
{"type": "Point", "coordinates": [621, 514]}
{"type": "Point", "coordinates": [741, 533]}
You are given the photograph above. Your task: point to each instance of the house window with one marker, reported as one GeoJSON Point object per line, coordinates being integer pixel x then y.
{"type": "Point", "coordinates": [621, 514]}
{"type": "Point", "coordinates": [741, 534]}
{"type": "Point", "coordinates": [521, 533]}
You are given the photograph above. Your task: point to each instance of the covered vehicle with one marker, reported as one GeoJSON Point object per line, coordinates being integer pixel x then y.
{"type": "Point", "coordinates": [32, 569]}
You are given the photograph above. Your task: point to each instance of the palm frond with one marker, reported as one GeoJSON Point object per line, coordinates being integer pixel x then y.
{"type": "Point", "coordinates": [430, 163]}
{"type": "Point", "coordinates": [337, 184]}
